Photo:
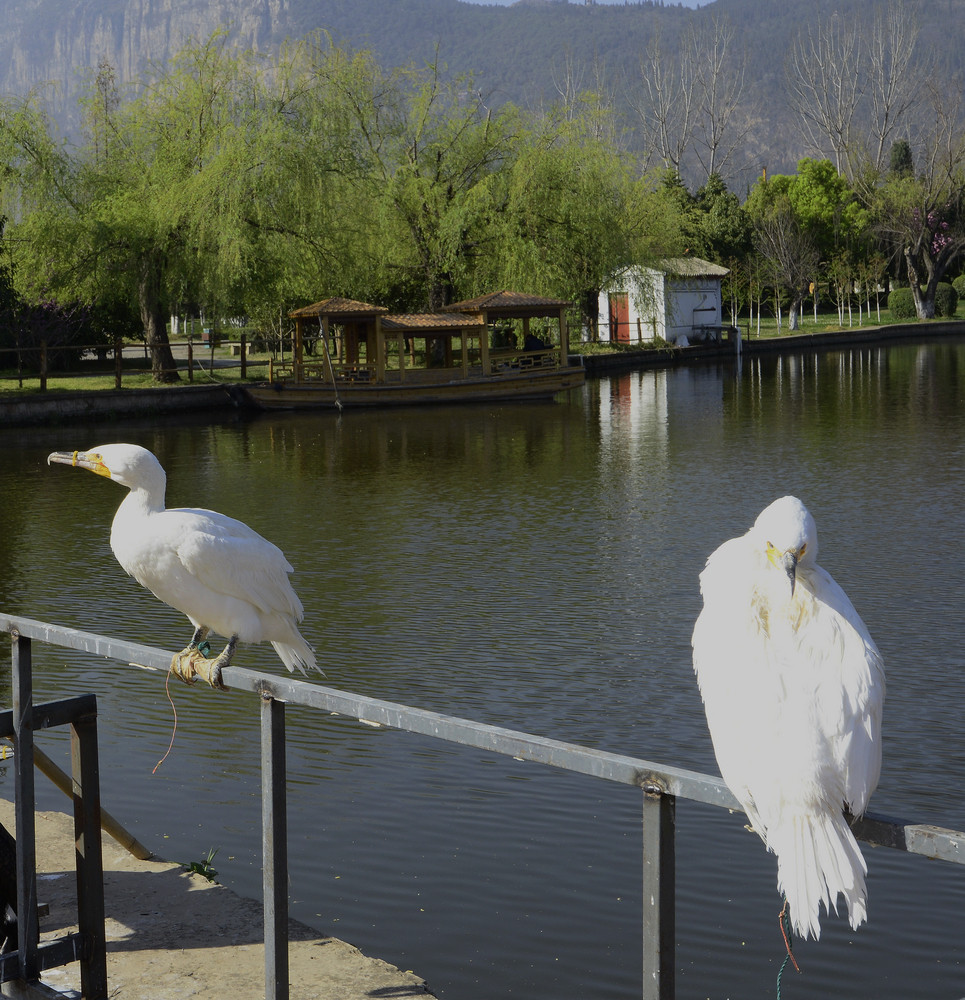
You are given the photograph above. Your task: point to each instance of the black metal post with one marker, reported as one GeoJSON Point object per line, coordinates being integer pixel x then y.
{"type": "Point", "coordinates": [659, 877]}
{"type": "Point", "coordinates": [28, 927]}
{"type": "Point", "coordinates": [274, 826]}
{"type": "Point", "coordinates": [89, 858]}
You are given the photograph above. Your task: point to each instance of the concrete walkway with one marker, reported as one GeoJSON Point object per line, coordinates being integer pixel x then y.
{"type": "Point", "coordinates": [173, 936]}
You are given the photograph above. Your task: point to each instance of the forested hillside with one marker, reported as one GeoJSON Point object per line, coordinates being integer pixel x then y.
{"type": "Point", "coordinates": [528, 53]}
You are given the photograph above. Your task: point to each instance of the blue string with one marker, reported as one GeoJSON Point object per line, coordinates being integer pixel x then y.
{"type": "Point", "coordinates": [789, 941]}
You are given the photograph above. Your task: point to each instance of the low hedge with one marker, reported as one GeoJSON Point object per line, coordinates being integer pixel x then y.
{"type": "Point", "coordinates": [901, 303]}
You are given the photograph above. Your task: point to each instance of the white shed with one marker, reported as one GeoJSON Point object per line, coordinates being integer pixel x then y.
{"type": "Point", "coordinates": [679, 301]}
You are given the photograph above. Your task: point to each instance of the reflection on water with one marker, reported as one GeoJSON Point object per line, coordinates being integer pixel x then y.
{"type": "Point", "coordinates": [536, 567]}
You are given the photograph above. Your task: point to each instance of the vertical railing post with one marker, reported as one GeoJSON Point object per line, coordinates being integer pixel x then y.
{"type": "Point", "coordinates": [89, 862]}
{"type": "Point", "coordinates": [28, 929]}
{"type": "Point", "coordinates": [274, 826]}
{"type": "Point", "coordinates": [659, 876]}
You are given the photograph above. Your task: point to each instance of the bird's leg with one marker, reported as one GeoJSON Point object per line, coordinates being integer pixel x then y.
{"type": "Point", "coordinates": [200, 634]}
{"type": "Point", "coordinates": [185, 663]}
{"type": "Point", "coordinates": [211, 669]}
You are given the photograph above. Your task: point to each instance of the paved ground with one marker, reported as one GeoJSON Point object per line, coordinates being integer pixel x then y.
{"type": "Point", "coordinates": [173, 936]}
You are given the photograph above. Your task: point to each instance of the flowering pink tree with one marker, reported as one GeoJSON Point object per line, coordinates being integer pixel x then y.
{"type": "Point", "coordinates": [920, 213]}
{"type": "Point", "coordinates": [931, 237]}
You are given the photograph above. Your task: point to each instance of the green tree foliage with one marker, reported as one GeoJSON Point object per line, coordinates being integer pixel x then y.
{"type": "Point", "coordinates": [9, 300]}
{"type": "Point", "coordinates": [242, 184]}
{"type": "Point", "coordinates": [722, 228]}
{"type": "Point", "coordinates": [427, 149]}
{"type": "Point", "coordinates": [572, 212]}
{"type": "Point", "coordinates": [823, 224]}
{"type": "Point", "coordinates": [138, 212]}
{"type": "Point", "coordinates": [901, 162]}
{"type": "Point", "coordinates": [921, 219]}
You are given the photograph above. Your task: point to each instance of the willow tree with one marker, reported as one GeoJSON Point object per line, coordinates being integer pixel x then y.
{"type": "Point", "coordinates": [149, 208]}
{"type": "Point", "coordinates": [427, 147]}
{"type": "Point", "coordinates": [573, 211]}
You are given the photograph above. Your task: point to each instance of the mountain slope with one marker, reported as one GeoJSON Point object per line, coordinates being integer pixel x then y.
{"type": "Point", "coordinates": [517, 53]}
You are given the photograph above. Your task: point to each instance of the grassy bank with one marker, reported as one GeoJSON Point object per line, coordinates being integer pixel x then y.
{"type": "Point", "coordinates": [223, 364]}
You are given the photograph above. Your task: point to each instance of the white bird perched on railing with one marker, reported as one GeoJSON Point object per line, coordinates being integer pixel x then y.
{"type": "Point", "coordinates": [793, 687]}
{"type": "Point", "coordinates": [216, 570]}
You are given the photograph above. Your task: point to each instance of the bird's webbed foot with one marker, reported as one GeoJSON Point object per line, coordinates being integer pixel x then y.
{"type": "Point", "coordinates": [192, 663]}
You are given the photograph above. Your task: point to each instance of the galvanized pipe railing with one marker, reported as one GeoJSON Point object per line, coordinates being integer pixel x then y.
{"type": "Point", "coordinates": [661, 786]}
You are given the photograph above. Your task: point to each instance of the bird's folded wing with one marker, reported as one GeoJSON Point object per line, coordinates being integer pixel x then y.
{"type": "Point", "coordinates": [233, 559]}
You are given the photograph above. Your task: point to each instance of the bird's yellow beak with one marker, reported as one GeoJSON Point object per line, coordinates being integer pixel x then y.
{"type": "Point", "coordinates": [84, 459]}
{"type": "Point", "coordinates": [786, 561]}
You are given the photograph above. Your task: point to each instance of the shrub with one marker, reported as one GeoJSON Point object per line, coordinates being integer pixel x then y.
{"type": "Point", "coordinates": [959, 285]}
{"type": "Point", "coordinates": [901, 304]}
{"type": "Point", "coordinates": [946, 299]}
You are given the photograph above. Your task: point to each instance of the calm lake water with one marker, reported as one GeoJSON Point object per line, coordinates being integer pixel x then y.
{"type": "Point", "coordinates": [532, 566]}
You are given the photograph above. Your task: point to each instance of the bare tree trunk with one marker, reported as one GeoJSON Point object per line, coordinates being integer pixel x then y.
{"type": "Point", "coordinates": [894, 72]}
{"type": "Point", "coordinates": [924, 308]}
{"type": "Point", "coordinates": [823, 73]}
{"type": "Point", "coordinates": [667, 109]}
{"type": "Point", "coordinates": [794, 312]}
{"type": "Point", "coordinates": [152, 316]}
{"type": "Point", "coordinates": [855, 87]}
{"type": "Point", "coordinates": [719, 71]}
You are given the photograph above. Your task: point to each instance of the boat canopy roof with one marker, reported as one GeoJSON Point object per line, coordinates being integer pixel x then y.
{"type": "Point", "coordinates": [430, 323]}
{"type": "Point", "coordinates": [339, 310]}
{"type": "Point", "coordinates": [510, 305]}
{"type": "Point", "coordinates": [457, 316]}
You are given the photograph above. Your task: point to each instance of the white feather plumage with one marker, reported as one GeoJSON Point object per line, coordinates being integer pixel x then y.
{"type": "Point", "coordinates": [219, 572]}
{"type": "Point", "coordinates": [793, 687]}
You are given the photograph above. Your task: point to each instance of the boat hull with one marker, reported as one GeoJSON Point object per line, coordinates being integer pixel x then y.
{"type": "Point", "coordinates": [313, 395]}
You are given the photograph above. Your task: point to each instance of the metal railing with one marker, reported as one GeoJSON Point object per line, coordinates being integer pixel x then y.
{"type": "Point", "coordinates": [660, 786]}
{"type": "Point", "coordinates": [88, 945]}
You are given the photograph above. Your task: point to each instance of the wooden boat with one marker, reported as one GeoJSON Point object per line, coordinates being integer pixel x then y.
{"type": "Point", "coordinates": [483, 349]}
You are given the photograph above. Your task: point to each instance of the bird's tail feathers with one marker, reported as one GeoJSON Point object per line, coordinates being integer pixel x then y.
{"type": "Point", "coordinates": [297, 654]}
{"type": "Point", "coordinates": [818, 858]}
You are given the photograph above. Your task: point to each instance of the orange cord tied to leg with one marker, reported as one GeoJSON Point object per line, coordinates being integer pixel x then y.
{"type": "Point", "coordinates": [785, 922]}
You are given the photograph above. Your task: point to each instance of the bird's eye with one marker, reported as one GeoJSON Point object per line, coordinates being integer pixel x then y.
{"type": "Point", "coordinates": [802, 550]}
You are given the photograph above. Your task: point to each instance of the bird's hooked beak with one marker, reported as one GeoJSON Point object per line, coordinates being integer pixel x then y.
{"type": "Point", "coordinates": [84, 459]}
{"type": "Point", "coordinates": [786, 561]}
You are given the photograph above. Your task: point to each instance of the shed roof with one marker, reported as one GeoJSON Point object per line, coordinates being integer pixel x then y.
{"type": "Point", "coordinates": [691, 267]}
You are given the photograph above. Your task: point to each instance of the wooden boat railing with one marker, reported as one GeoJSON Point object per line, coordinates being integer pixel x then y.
{"type": "Point", "coordinates": [501, 362]}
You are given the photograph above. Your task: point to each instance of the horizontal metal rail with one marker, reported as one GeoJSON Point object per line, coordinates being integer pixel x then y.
{"type": "Point", "coordinates": [661, 784]}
